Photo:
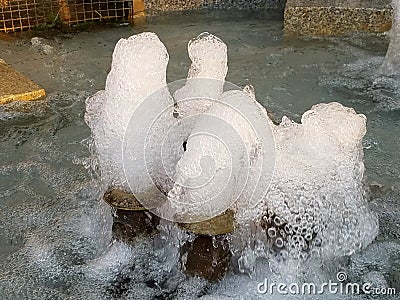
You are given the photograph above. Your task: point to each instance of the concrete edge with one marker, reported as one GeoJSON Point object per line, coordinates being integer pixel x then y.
{"type": "Point", "coordinates": [16, 87]}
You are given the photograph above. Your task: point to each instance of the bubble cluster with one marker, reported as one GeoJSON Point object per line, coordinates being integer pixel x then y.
{"type": "Point", "coordinates": [301, 185]}
{"type": "Point", "coordinates": [136, 73]}
{"type": "Point", "coordinates": [206, 77]}
{"type": "Point", "coordinates": [62, 240]}
{"type": "Point", "coordinates": [316, 203]}
{"type": "Point", "coordinates": [226, 158]}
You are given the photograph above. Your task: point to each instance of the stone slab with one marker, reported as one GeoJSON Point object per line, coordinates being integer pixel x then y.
{"type": "Point", "coordinates": [221, 224]}
{"type": "Point", "coordinates": [155, 7]}
{"type": "Point", "coordinates": [337, 17]}
{"type": "Point", "coordinates": [16, 87]}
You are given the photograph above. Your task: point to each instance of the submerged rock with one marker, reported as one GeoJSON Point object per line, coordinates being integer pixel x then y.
{"type": "Point", "coordinates": [205, 258]}
{"type": "Point", "coordinates": [41, 45]}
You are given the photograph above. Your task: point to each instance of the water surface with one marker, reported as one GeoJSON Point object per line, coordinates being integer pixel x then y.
{"type": "Point", "coordinates": [52, 227]}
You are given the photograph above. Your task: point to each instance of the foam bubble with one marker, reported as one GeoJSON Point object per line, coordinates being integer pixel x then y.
{"type": "Point", "coordinates": [317, 198]}
{"type": "Point", "coordinates": [206, 76]}
{"type": "Point", "coordinates": [136, 73]}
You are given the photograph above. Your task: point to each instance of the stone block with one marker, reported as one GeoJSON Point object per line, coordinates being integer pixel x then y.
{"type": "Point", "coordinates": [16, 87]}
{"type": "Point", "coordinates": [337, 17]}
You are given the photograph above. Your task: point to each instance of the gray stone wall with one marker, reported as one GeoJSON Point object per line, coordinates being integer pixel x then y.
{"type": "Point", "coordinates": [159, 6]}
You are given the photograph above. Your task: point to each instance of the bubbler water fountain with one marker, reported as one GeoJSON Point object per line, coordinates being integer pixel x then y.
{"type": "Point", "coordinates": [296, 189]}
{"type": "Point", "coordinates": [222, 200]}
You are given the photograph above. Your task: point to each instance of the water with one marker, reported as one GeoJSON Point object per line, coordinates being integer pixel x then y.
{"type": "Point", "coordinates": [391, 63]}
{"type": "Point", "coordinates": [55, 237]}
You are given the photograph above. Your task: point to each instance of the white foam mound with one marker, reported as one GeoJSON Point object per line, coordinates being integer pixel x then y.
{"type": "Point", "coordinates": [135, 96]}
{"type": "Point", "coordinates": [301, 185]}
{"type": "Point", "coordinates": [206, 76]}
{"type": "Point", "coordinates": [222, 148]}
{"type": "Point", "coordinates": [316, 202]}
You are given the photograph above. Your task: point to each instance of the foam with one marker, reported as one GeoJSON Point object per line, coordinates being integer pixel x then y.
{"type": "Point", "coordinates": [297, 189]}
{"type": "Point", "coordinates": [316, 203]}
{"type": "Point", "coordinates": [206, 76]}
{"type": "Point", "coordinates": [224, 152]}
{"type": "Point", "coordinates": [136, 74]}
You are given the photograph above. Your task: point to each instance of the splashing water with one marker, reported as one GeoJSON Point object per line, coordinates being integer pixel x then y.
{"type": "Point", "coordinates": [206, 76]}
{"type": "Point", "coordinates": [316, 204]}
{"type": "Point", "coordinates": [230, 151]}
{"type": "Point", "coordinates": [136, 74]}
{"type": "Point", "coordinates": [67, 251]}
{"type": "Point", "coordinates": [315, 201]}
{"type": "Point", "coordinates": [391, 64]}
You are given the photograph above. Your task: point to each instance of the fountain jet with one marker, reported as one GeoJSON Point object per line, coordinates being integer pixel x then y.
{"type": "Point", "coordinates": [391, 64]}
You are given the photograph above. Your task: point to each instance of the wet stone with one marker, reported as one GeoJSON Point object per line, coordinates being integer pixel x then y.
{"type": "Point", "coordinates": [16, 87]}
{"type": "Point", "coordinates": [208, 255]}
{"type": "Point", "coordinates": [160, 6]}
{"type": "Point", "coordinates": [128, 225]}
{"type": "Point", "coordinates": [207, 259]}
{"type": "Point", "coordinates": [336, 17]}
{"type": "Point", "coordinates": [131, 219]}
{"type": "Point", "coordinates": [221, 224]}
{"type": "Point", "coordinates": [122, 200]}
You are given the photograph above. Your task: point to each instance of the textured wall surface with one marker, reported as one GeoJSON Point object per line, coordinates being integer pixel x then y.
{"type": "Point", "coordinates": [17, 15]}
{"type": "Point", "coordinates": [334, 17]}
{"type": "Point", "coordinates": [154, 6]}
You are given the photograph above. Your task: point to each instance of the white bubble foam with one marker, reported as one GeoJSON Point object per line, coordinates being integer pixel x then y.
{"type": "Point", "coordinates": [129, 113]}
{"type": "Point", "coordinates": [317, 191]}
